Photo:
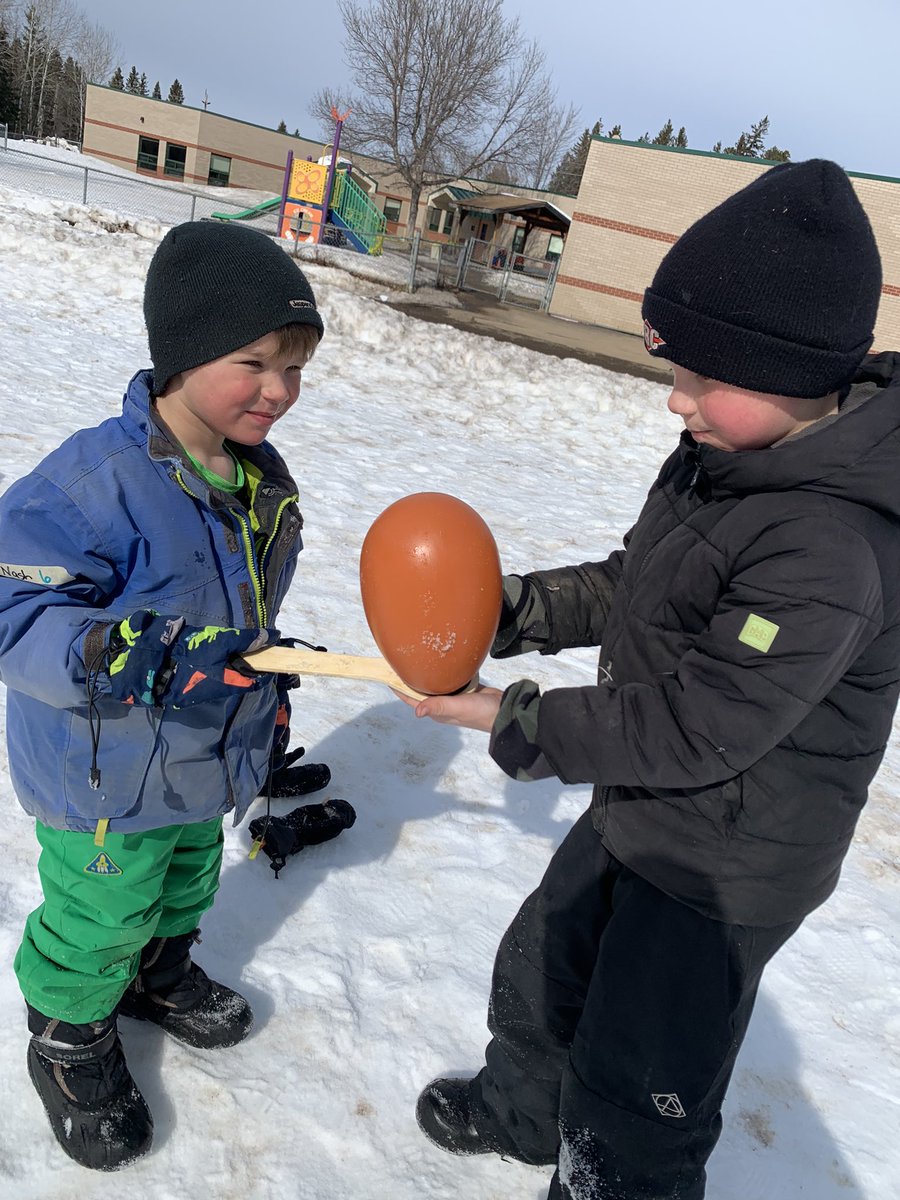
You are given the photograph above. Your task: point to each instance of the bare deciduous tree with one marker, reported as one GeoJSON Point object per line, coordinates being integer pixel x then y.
{"type": "Point", "coordinates": [95, 50]}
{"type": "Point", "coordinates": [49, 27]}
{"type": "Point", "coordinates": [443, 91]}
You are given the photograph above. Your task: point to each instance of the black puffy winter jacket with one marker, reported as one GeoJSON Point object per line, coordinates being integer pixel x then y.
{"type": "Point", "coordinates": [749, 665]}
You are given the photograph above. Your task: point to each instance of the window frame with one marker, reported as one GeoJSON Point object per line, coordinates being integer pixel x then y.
{"type": "Point", "coordinates": [393, 201]}
{"type": "Point", "coordinates": [169, 163]}
{"type": "Point", "coordinates": [222, 178]}
{"type": "Point", "coordinates": [147, 161]}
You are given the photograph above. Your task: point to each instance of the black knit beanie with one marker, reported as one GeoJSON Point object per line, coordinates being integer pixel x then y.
{"type": "Point", "coordinates": [776, 290]}
{"type": "Point", "coordinates": [212, 288]}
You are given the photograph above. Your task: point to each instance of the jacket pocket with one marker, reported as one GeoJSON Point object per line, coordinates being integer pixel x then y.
{"type": "Point", "coordinates": [127, 738]}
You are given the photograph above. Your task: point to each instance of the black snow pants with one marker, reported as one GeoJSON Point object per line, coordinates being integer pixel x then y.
{"type": "Point", "coordinates": [616, 1014]}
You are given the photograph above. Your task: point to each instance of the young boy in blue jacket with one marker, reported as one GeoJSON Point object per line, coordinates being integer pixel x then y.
{"type": "Point", "coordinates": [138, 560]}
{"type": "Point", "coordinates": [749, 671]}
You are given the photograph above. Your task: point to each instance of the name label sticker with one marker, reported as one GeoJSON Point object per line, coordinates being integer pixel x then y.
{"type": "Point", "coordinates": [42, 576]}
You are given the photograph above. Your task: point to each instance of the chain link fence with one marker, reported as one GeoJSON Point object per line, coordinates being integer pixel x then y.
{"type": "Point", "coordinates": [409, 263]}
{"type": "Point", "coordinates": [513, 278]}
{"type": "Point", "coordinates": [129, 195]}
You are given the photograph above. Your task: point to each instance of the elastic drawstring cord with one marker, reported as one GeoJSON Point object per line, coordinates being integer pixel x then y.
{"type": "Point", "coordinates": [258, 842]}
{"type": "Point", "coordinates": [92, 687]}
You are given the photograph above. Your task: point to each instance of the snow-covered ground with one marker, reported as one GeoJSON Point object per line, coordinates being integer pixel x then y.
{"type": "Point", "coordinates": [368, 962]}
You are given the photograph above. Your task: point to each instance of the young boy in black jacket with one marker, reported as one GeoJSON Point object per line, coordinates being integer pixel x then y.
{"type": "Point", "coordinates": [749, 673]}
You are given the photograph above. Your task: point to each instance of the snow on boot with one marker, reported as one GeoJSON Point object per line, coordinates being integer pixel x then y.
{"type": "Point", "coordinates": [173, 992]}
{"type": "Point", "coordinates": [444, 1114]}
{"type": "Point", "coordinates": [95, 1110]}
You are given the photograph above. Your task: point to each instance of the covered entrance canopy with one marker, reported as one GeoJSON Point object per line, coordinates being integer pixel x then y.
{"type": "Point", "coordinates": [534, 212]}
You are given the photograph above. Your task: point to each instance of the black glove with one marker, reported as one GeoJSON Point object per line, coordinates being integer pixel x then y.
{"type": "Point", "coordinates": [309, 825]}
{"type": "Point", "coordinates": [286, 779]}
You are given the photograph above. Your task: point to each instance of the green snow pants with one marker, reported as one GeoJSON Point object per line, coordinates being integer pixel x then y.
{"type": "Point", "coordinates": [102, 904]}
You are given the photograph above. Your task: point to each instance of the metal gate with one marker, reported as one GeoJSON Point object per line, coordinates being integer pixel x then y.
{"type": "Point", "coordinates": [512, 278]}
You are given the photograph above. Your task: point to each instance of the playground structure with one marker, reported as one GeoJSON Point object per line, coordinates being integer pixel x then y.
{"type": "Point", "coordinates": [320, 202]}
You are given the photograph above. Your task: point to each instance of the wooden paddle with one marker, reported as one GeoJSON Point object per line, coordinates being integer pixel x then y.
{"type": "Point", "coordinates": [295, 661]}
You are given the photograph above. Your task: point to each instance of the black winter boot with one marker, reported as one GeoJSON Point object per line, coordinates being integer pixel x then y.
{"type": "Point", "coordinates": [95, 1110]}
{"type": "Point", "coordinates": [173, 992]}
{"type": "Point", "coordinates": [444, 1114]}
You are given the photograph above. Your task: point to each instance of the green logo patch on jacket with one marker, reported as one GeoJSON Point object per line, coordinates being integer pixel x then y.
{"type": "Point", "coordinates": [758, 633]}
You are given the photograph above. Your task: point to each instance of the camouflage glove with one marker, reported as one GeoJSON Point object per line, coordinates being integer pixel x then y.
{"type": "Point", "coordinates": [523, 619]}
{"type": "Point", "coordinates": [160, 661]}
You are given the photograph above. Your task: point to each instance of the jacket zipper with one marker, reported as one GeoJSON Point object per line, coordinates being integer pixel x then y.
{"type": "Point", "coordinates": [249, 552]}
{"type": "Point", "coordinates": [255, 572]}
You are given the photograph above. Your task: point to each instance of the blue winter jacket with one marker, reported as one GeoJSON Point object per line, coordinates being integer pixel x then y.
{"type": "Point", "coordinates": [114, 520]}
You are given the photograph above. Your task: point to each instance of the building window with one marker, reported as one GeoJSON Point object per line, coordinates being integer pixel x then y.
{"type": "Point", "coordinates": [219, 170]}
{"type": "Point", "coordinates": [554, 246]}
{"type": "Point", "coordinates": [148, 154]}
{"type": "Point", "coordinates": [175, 159]}
{"type": "Point", "coordinates": [392, 209]}
{"type": "Point", "coordinates": [434, 219]}
{"type": "Point", "coordinates": [448, 221]}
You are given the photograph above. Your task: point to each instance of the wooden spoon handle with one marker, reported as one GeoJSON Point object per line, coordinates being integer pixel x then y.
{"type": "Point", "coordinates": [291, 660]}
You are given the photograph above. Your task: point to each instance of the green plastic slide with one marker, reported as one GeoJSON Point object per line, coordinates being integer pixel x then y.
{"type": "Point", "coordinates": [249, 213]}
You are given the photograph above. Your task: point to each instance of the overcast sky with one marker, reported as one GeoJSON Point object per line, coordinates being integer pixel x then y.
{"type": "Point", "coordinates": [820, 69]}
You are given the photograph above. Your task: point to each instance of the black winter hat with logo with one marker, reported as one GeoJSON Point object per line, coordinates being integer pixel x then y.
{"type": "Point", "coordinates": [212, 288]}
{"type": "Point", "coordinates": [775, 290]}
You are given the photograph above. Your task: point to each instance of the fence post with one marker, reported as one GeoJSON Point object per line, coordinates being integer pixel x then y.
{"type": "Point", "coordinates": [504, 282]}
{"type": "Point", "coordinates": [193, 205]}
{"type": "Point", "coordinates": [551, 285]}
{"type": "Point", "coordinates": [5, 132]}
{"type": "Point", "coordinates": [413, 260]}
{"type": "Point", "coordinates": [84, 190]}
{"type": "Point", "coordinates": [464, 263]}
{"type": "Point", "coordinates": [439, 275]}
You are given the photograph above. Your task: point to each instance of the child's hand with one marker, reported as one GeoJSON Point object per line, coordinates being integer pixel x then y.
{"type": "Point", "coordinates": [470, 710]}
{"type": "Point", "coordinates": [157, 660]}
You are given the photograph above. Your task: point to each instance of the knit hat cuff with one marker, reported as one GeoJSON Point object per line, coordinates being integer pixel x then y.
{"type": "Point", "coordinates": [746, 358]}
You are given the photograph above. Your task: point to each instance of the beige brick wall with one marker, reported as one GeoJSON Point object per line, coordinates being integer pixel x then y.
{"type": "Point", "coordinates": [636, 200]}
{"type": "Point", "coordinates": [115, 120]}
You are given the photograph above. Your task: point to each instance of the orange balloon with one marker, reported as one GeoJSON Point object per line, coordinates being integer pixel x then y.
{"type": "Point", "coordinates": [429, 574]}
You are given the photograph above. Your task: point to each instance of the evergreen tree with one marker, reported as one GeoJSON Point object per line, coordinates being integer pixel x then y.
{"type": "Point", "coordinates": [133, 82]}
{"type": "Point", "coordinates": [751, 144]}
{"type": "Point", "coordinates": [117, 80]}
{"type": "Point", "coordinates": [176, 93]}
{"type": "Point", "coordinates": [665, 137]}
{"type": "Point", "coordinates": [681, 139]}
{"type": "Point", "coordinates": [157, 94]}
{"type": "Point", "coordinates": [282, 128]}
{"type": "Point", "coordinates": [8, 109]}
{"type": "Point", "coordinates": [142, 86]}
{"type": "Point", "coordinates": [566, 179]}
{"type": "Point", "coordinates": [616, 131]}
{"type": "Point", "coordinates": [65, 114]}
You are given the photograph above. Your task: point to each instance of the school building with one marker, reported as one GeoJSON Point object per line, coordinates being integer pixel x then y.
{"type": "Point", "coordinates": [180, 144]}
{"type": "Point", "coordinates": [636, 199]}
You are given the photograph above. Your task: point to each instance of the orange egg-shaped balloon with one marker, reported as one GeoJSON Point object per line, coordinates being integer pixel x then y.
{"type": "Point", "coordinates": [429, 574]}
